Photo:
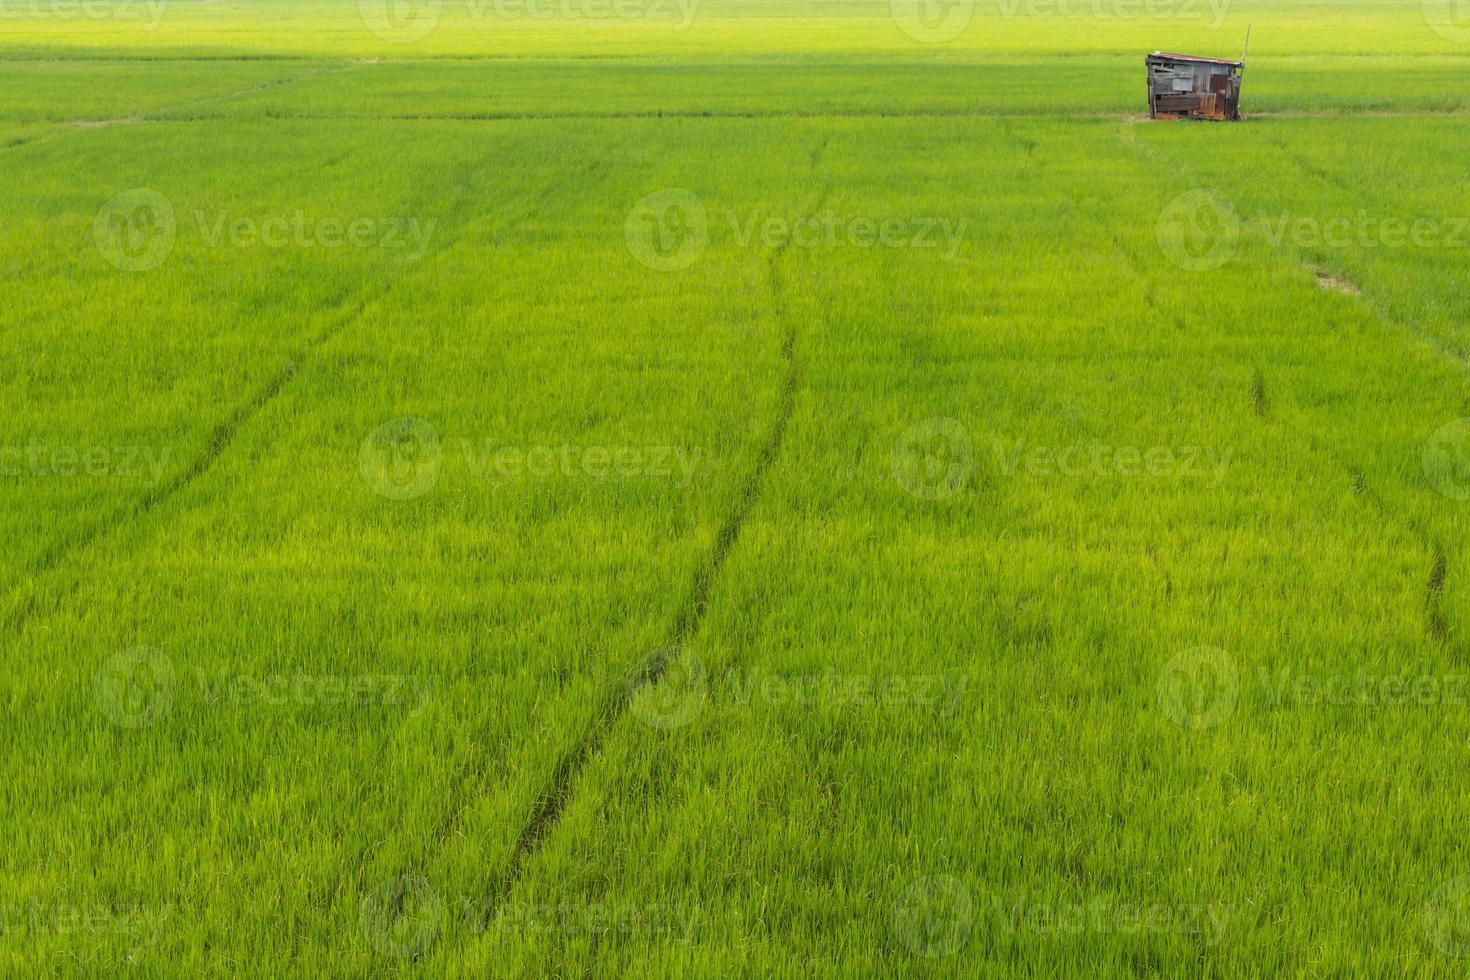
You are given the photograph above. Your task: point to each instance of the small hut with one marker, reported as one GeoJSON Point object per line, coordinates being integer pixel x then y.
{"type": "Point", "coordinates": [1182, 86]}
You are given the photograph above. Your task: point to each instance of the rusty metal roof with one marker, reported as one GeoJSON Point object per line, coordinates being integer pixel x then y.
{"type": "Point", "coordinates": [1195, 59]}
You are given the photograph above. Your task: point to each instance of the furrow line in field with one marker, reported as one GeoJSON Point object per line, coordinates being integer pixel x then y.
{"type": "Point", "coordinates": [1434, 599]}
{"type": "Point", "coordinates": [1436, 624]}
{"type": "Point", "coordinates": [1124, 115]}
{"type": "Point", "coordinates": [35, 53]}
{"type": "Point", "coordinates": [554, 800]}
{"type": "Point", "coordinates": [220, 440]}
{"type": "Point", "coordinates": [1127, 117]}
{"type": "Point", "coordinates": [23, 141]}
{"type": "Point", "coordinates": [1260, 398]}
{"type": "Point", "coordinates": [84, 125]}
{"type": "Point", "coordinates": [253, 89]}
{"type": "Point", "coordinates": [1446, 348]}
{"type": "Point", "coordinates": [154, 117]}
{"type": "Point", "coordinates": [54, 130]}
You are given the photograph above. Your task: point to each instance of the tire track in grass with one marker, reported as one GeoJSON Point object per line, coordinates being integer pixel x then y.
{"type": "Point", "coordinates": [1445, 347]}
{"type": "Point", "coordinates": [1260, 397]}
{"type": "Point", "coordinates": [58, 129]}
{"type": "Point", "coordinates": [1436, 624]}
{"type": "Point", "coordinates": [1434, 599]}
{"type": "Point", "coordinates": [16, 144]}
{"type": "Point", "coordinates": [223, 434]}
{"type": "Point", "coordinates": [554, 799]}
{"type": "Point", "coordinates": [253, 89]}
{"type": "Point", "coordinates": [222, 437]}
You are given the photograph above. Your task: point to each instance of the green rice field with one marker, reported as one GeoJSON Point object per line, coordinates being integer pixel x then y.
{"type": "Point", "coordinates": [562, 488]}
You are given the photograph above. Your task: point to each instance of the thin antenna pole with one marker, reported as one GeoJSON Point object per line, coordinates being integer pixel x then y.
{"type": "Point", "coordinates": [1246, 49]}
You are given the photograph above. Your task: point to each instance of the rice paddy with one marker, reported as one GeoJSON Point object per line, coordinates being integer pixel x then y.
{"type": "Point", "coordinates": [672, 488]}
